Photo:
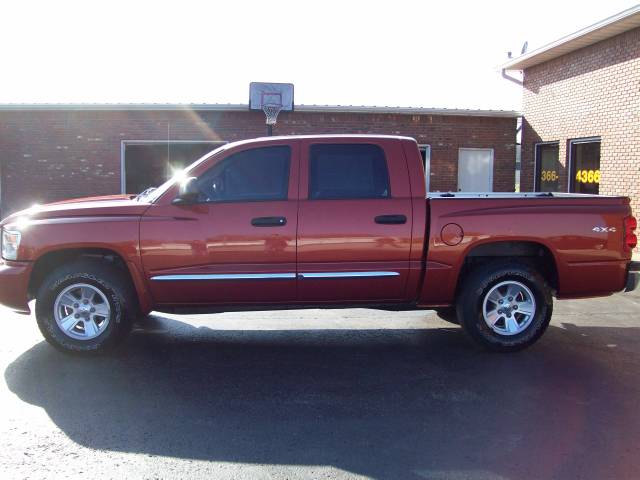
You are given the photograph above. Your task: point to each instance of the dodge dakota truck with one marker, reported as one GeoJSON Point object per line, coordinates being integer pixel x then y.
{"type": "Point", "coordinates": [329, 221]}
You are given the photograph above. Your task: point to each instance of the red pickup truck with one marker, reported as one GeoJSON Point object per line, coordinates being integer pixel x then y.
{"type": "Point", "coordinates": [312, 221]}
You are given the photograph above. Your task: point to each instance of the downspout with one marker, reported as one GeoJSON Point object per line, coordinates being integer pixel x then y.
{"type": "Point", "coordinates": [519, 154]}
{"type": "Point", "coordinates": [518, 158]}
{"type": "Point", "coordinates": [1, 181]}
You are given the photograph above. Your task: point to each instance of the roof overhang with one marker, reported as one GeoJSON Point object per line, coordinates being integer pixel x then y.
{"type": "Point", "coordinates": [607, 28]}
{"type": "Point", "coordinates": [230, 107]}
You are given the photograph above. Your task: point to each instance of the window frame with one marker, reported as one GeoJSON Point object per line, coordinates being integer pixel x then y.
{"type": "Point", "coordinates": [571, 174]}
{"type": "Point", "coordinates": [322, 144]}
{"type": "Point", "coordinates": [427, 164]}
{"type": "Point", "coordinates": [231, 155]}
{"type": "Point", "coordinates": [536, 161]}
{"type": "Point", "coordinates": [215, 144]}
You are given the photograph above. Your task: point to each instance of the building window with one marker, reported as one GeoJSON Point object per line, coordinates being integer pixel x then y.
{"type": "Point", "coordinates": [585, 166]}
{"type": "Point", "coordinates": [547, 168]}
{"type": "Point", "coordinates": [149, 163]}
{"type": "Point", "coordinates": [425, 153]}
{"type": "Point", "coordinates": [347, 171]}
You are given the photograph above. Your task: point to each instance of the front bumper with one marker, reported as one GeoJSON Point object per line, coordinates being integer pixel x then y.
{"type": "Point", "coordinates": [633, 277]}
{"type": "Point", "coordinates": [14, 283]}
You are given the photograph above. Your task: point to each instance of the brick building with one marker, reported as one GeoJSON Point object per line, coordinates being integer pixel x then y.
{"type": "Point", "coordinates": [52, 152]}
{"type": "Point", "coordinates": [581, 111]}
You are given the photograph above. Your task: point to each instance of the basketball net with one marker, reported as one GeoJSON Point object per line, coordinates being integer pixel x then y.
{"type": "Point", "coordinates": [271, 110]}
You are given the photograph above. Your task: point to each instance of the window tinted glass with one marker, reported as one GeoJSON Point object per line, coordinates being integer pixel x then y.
{"type": "Point", "coordinates": [252, 175]}
{"type": "Point", "coordinates": [548, 168]}
{"type": "Point", "coordinates": [585, 167]}
{"type": "Point", "coordinates": [348, 171]}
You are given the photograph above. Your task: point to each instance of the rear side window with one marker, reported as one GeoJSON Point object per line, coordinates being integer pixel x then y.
{"type": "Point", "coordinates": [343, 171]}
{"type": "Point", "coordinates": [252, 175]}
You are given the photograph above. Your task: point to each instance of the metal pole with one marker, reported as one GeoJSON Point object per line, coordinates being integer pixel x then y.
{"type": "Point", "coordinates": [269, 130]}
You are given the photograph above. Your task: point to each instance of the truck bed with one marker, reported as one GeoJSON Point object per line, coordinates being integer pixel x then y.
{"type": "Point", "coordinates": [516, 195]}
{"type": "Point", "coordinates": [582, 236]}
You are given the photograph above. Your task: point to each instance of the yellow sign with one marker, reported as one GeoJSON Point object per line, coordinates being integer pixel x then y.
{"type": "Point", "coordinates": [588, 176]}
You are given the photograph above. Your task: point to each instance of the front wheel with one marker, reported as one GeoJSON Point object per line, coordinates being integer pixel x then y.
{"type": "Point", "coordinates": [505, 306]}
{"type": "Point", "coordinates": [85, 307]}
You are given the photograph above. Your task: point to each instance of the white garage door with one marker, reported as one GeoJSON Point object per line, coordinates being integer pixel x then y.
{"type": "Point", "coordinates": [475, 170]}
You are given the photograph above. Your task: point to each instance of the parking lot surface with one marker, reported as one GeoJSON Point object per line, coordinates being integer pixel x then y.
{"type": "Point", "coordinates": [327, 394]}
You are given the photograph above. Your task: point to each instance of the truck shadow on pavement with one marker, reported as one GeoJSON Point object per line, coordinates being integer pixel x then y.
{"type": "Point", "coordinates": [390, 404]}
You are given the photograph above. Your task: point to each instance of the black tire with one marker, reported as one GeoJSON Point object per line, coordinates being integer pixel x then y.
{"type": "Point", "coordinates": [111, 281]}
{"type": "Point", "coordinates": [477, 285]}
{"type": "Point", "coordinates": [448, 314]}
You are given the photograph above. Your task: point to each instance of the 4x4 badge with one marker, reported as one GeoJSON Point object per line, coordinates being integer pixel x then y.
{"type": "Point", "coordinates": [604, 229]}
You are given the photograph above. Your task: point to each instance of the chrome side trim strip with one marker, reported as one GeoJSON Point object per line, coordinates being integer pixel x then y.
{"type": "Point", "coordinates": [227, 276]}
{"type": "Point", "coordinates": [347, 274]}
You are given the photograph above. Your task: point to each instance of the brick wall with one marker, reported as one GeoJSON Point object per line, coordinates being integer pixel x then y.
{"type": "Point", "coordinates": [53, 155]}
{"type": "Point", "coordinates": [594, 91]}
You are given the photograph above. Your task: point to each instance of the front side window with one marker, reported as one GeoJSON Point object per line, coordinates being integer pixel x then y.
{"type": "Point", "coordinates": [347, 171]}
{"type": "Point", "coordinates": [252, 175]}
{"type": "Point", "coordinates": [547, 168]}
{"type": "Point", "coordinates": [585, 166]}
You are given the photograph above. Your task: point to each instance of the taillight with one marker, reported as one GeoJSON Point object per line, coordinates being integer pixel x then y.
{"type": "Point", "coordinates": [630, 239]}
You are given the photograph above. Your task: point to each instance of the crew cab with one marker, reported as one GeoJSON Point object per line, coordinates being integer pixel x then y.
{"type": "Point", "coordinates": [330, 221]}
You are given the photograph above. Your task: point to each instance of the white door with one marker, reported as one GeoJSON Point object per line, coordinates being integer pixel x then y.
{"type": "Point", "coordinates": [475, 170]}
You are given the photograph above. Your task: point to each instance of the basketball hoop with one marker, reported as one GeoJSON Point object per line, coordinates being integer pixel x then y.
{"type": "Point", "coordinates": [271, 98]}
{"type": "Point", "coordinates": [271, 111]}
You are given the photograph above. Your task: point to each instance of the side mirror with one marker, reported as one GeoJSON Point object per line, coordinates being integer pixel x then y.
{"type": "Point", "coordinates": [189, 192]}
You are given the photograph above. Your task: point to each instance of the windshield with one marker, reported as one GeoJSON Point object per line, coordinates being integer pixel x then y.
{"type": "Point", "coordinates": [152, 194]}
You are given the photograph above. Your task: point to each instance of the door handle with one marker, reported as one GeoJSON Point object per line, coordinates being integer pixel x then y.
{"type": "Point", "coordinates": [391, 219]}
{"type": "Point", "coordinates": [269, 221]}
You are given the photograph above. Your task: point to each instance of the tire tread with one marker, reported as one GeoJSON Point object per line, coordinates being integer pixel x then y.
{"type": "Point", "coordinates": [106, 276]}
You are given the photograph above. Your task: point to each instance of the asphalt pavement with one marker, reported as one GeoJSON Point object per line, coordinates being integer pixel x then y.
{"type": "Point", "coordinates": [327, 394]}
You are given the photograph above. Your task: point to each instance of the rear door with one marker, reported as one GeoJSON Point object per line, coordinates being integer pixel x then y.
{"type": "Point", "coordinates": [237, 245]}
{"type": "Point", "coordinates": [354, 221]}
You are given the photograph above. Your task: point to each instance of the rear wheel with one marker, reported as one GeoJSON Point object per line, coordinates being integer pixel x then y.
{"type": "Point", "coordinates": [85, 307]}
{"type": "Point", "coordinates": [505, 306]}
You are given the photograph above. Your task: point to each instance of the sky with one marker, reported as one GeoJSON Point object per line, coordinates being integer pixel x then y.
{"type": "Point", "coordinates": [442, 54]}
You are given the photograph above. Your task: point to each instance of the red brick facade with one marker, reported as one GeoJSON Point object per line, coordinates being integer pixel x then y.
{"type": "Point", "coordinates": [49, 155]}
{"type": "Point", "coordinates": [591, 92]}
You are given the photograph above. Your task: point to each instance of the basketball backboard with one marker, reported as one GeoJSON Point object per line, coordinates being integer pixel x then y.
{"type": "Point", "coordinates": [263, 94]}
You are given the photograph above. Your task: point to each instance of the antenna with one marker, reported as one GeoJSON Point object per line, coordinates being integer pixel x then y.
{"type": "Point", "coordinates": [524, 48]}
{"type": "Point", "coordinates": [168, 146]}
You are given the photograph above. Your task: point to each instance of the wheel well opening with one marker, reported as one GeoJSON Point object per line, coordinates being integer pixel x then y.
{"type": "Point", "coordinates": [52, 260]}
{"type": "Point", "coordinates": [534, 253]}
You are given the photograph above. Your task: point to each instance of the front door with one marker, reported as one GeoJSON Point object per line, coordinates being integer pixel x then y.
{"type": "Point", "coordinates": [475, 170]}
{"type": "Point", "coordinates": [354, 222]}
{"type": "Point", "coordinates": [237, 244]}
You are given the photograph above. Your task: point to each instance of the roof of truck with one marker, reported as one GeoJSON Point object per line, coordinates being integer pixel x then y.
{"type": "Point", "coordinates": [327, 136]}
{"type": "Point", "coordinates": [339, 135]}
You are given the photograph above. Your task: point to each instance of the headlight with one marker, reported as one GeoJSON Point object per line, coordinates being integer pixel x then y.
{"type": "Point", "coordinates": [10, 244]}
